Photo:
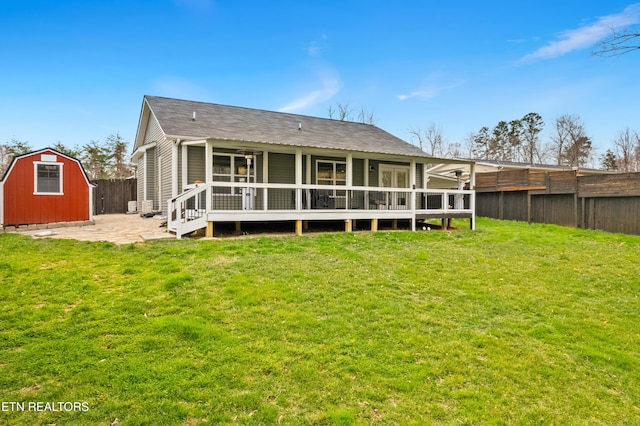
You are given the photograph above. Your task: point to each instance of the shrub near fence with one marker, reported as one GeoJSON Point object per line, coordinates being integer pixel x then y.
{"type": "Point", "coordinates": [610, 202]}
{"type": "Point", "coordinates": [113, 195]}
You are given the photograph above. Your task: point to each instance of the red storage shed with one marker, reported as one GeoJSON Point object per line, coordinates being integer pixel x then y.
{"type": "Point", "coordinates": [45, 186]}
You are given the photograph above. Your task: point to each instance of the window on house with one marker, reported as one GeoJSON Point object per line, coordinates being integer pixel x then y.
{"type": "Point", "coordinates": [48, 178]}
{"type": "Point", "coordinates": [332, 173]}
{"type": "Point", "coordinates": [232, 168]}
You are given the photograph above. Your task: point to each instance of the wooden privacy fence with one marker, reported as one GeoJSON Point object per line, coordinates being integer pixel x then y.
{"type": "Point", "coordinates": [113, 195]}
{"type": "Point", "coordinates": [610, 202]}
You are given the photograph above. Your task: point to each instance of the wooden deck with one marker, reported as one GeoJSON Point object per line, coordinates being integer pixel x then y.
{"type": "Point", "coordinates": [214, 202]}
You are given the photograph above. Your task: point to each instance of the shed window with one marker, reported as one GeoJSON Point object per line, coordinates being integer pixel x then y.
{"type": "Point", "coordinates": [48, 178]}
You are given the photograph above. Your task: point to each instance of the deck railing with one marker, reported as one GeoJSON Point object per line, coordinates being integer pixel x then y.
{"type": "Point", "coordinates": [231, 199]}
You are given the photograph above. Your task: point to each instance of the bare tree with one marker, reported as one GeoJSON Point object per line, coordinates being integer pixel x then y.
{"type": "Point", "coordinates": [626, 145]}
{"type": "Point", "coordinates": [470, 149]}
{"type": "Point", "coordinates": [619, 43]}
{"type": "Point", "coordinates": [454, 150]}
{"type": "Point", "coordinates": [5, 159]}
{"type": "Point", "coordinates": [344, 112]}
{"type": "Point", "coordinates": [10, 150]}
{"type": "Point", "coordinates": [366, 117]}
{"type": "Point", "coordinates": [571, 145]}
{"type": "Point", "coordinates": [430, 140]}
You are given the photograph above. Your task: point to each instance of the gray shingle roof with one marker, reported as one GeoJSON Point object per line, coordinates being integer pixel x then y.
{"type": "Point", "coordinates": [252, 125]}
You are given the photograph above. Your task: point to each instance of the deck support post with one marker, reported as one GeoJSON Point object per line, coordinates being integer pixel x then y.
{"type": "Point", "coordinates": [298, 227]}
{"type": "Point", "coordinates": [238, 226]}
{"type": "Point", "coordinates": [347, 225]}
{"type": "Point", "coordinates": [305, 225]}
{"type": "Point", "coordinates": [209, 232]}
{"type": "Point", "coordinates": [394, 224]}
{"type": "Point", "coordinates": [374, 225]}
{"type": "Point", "coordinates": [444, 223]}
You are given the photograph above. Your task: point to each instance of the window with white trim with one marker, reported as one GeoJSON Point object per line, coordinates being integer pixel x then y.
{"type": "Point", "coordinates": [232, 168]}
{"type": "Point", "coordinates": [47, 178]}
{"type": "Point", "coordinates": [332, 173]}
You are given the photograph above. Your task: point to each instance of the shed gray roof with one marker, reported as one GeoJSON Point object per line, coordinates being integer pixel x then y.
{"type": "Point", "coordinates": [251, 125]}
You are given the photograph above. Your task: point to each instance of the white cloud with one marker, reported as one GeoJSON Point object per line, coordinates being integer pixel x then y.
{"type": "Point", "coordinates": [429, 91]}
{"type": "Point", "coordinates": [313, 49]}
{"type": "Point", "coordinates": [422, 94]}
{"type": "Point", "coordinates": [586, 36]}
{"type": "Point", "coordinates": [330, 85]}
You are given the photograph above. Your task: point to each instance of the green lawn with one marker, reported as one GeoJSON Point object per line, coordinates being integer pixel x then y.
{"type": "Point", "coordinates": [509, 324]}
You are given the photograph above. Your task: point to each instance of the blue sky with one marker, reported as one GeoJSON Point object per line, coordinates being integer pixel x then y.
{"type": "Point", "coordinates": [73, 71]}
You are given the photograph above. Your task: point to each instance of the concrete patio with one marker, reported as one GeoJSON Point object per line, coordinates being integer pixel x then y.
{"type": "Point", "coordinates": [115, 228]}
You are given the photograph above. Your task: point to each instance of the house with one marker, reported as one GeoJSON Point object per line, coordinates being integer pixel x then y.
{"type": "Point", "coordinates": [201, 163]}
{"type": "Point", "coordinates": [45, 187]}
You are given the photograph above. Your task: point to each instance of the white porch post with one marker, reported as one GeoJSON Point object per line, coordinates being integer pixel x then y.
{"type": "Point", "coordinates": [208, 170]}
{"type": "Point", "coordinates": [174, 168]}
{"type": "Point", "coordinates": [298, 178]}
{"type": "Point", "coordinates": [424, 176]}
{"type": "Point", "coordinates": [366, 172]}
{"type": "Point", "coordinates": [308, 170]}
{"type": "Point", "coordinates": [349, 169]}
{"type": "Point", "coordinates": [91, 188]}
{"type": "Point", "coordinates": [308, 182]}
{"type": "Point", "coordinates": [412, 183]}
{"type": "Point", "coordinates": [472, 187]}
{"type": "Point", "coordinates": [185, 167]}
{"type": "Point", "coordinates": [265, 179]}
{"type": "Point", "coordinates": [349, 179]}
{"type": "Point", "coordinates": [144, 184]}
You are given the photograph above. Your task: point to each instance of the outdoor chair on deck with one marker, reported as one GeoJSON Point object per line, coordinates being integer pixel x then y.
{"type": "Point", "coordinates": [322, 201]}
{"type": "Point", "coordinates": [378, 200]}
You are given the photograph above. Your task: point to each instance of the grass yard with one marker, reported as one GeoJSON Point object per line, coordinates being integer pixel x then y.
{"type": "Point", "coordinates": [510, 324]}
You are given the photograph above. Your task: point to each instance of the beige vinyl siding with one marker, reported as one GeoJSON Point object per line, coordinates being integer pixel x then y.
{"type": "Point", "coordinates": [164, 171]}
{"type": "Point", "coordinates": [140, 177]}
{"type": "Point", "coordinates": [150, 177]}
{"type": "Point", "coordinates": [153, 134]}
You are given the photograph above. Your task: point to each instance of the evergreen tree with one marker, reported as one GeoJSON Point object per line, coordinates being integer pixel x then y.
{"type": "Point", "coordinates": [95, 159]}
{"type": "Point", "coordinates": [609, 161]}
{"type": "Point", "coordinates": [120, 167]}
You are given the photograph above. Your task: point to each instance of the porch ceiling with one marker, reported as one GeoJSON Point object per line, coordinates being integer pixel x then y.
{"type": "Point", "coordinates": [288, 149]}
